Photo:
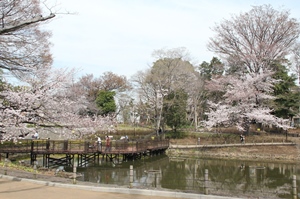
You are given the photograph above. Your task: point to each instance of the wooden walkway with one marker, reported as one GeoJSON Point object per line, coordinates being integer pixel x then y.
{"type": "Point", "coordinates": [86, 152]}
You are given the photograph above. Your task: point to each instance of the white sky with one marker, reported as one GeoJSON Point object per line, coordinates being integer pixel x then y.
{"type": "Point", "coordinates": [120, 35]}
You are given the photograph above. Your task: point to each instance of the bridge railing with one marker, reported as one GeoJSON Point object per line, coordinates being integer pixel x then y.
{"type": "Point", "coordinates": [60, 146]}
{"type": "Point", "coordinates": [121, 146]}
{"type": "Point", "coordinates": [23, 146]}
{"type": "Point", "coordinates": [80, 146]}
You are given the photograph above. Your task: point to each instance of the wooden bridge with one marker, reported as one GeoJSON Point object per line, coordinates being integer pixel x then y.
{"type": "Point", "coordinates": [87, 152]}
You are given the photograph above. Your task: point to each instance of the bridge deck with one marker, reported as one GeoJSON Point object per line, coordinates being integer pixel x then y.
{"type": "Point", "coordinates": [81, 147]}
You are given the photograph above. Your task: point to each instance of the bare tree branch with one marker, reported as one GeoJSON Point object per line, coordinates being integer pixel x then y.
{"type": "Point", "coordinates": [254, 39]}
{"type": "Point", "coordinates": [22, 24]}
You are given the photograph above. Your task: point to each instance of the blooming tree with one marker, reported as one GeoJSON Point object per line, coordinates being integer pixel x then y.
{"type": "Point", "coordinates": [249, 44]}
{"type": "Point", "coordinates": [251, 41]}
{"type": "Point", "coordinates": [43, 97]}
{"type": "Point", "coordinates": [245, 100]}
{"type": "Point", "coordinates": [46, 101]}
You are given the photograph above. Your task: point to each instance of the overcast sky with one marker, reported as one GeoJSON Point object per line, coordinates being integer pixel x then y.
{"type": "Point", "coordinates": [120, 35]}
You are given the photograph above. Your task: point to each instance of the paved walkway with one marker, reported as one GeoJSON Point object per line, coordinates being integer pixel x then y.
{"type": "Point", "coordinates": [16, 188]}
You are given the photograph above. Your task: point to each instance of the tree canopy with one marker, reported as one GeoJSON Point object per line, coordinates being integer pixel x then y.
{"type": "Point", "coordinates": [25, 46]}
{"type": "Point", "coordinates": [249, 44]}
{"type": "Point", "coordinates": [171, 71]}
{"type": "Point", "coordinates": [253, 40]}
{"type": "Point", "coordinates": [42, 98]}
{"type": "Point", "coordinates": [287, 94]}
{"type": "Point", "coordinates": [106, 102]}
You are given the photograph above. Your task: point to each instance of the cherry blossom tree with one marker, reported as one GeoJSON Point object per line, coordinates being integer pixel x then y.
{"type": "Point", "coordinates": [249, 44]}
{"type": "Point", "coordinates": [46, 102]}
{"type": "Point", "coordinates": [245, 100]}
{"type": "Point", "coordinates": [42, 98]}
{"type": "Point", "coordinates": [251, 41]}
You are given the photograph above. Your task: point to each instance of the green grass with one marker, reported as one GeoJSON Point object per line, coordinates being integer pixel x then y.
{"type": "Point", "coordinates": [16, 166]}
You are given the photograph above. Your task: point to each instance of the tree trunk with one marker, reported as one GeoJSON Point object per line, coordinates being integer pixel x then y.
{"type": "Point", "coordinates": [195, 118]}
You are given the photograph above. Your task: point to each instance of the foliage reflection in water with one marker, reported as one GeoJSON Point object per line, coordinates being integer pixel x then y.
{"type": "Point", "coordinates": [225, 177]}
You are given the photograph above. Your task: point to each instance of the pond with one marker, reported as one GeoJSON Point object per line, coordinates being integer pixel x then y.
{"type": "Point", "coordinates": [235, 178]}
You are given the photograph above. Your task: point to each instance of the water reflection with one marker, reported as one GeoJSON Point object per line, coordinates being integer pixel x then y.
{"type": "Point", "coordinates": [226, 177]}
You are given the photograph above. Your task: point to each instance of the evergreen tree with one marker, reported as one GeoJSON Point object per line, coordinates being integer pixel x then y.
{"type": "Point", "coordinates": [286, 104]}
{"type": "Point", "coordinates": [175, 109]}
{"type": "Point", "coordinates": [208, 70]}
{"type": "Point", "coordinates": [105, 101]}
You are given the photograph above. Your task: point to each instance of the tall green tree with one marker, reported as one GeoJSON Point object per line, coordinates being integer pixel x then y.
{"type": "Point", "coordinates": [106, 102]}
{"type": "Point", "coordinates": [287, 102]}
{"type": "Point", "coordinates": [215, 67]}
{"type": "Point", "coordinates": [174, 110]}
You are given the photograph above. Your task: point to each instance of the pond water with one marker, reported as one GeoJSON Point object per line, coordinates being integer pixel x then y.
{"type": "Point", "coordinates": [235, 178]}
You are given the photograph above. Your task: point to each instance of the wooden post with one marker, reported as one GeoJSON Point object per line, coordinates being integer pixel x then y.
{"type": "Point", "coordinates": [35, 169]}
{"type": "Point", "coordinates": [65, 148]}
{"type": "Point", "coordinates": [206, 181]}
{"type": "Point", "coordinates": [294, 187]}
{"type": "Point", "coordinates": [5, 166]}
{"type": "Point", "coordinates": [74, 174]}
{"type": "Point", "coordinates": [48, 144]}
{"type": "Point", "coordinates": [131, 176]}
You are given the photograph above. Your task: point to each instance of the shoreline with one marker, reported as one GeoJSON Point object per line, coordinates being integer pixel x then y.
{"type": "Point", "coordinates": [267, 153]}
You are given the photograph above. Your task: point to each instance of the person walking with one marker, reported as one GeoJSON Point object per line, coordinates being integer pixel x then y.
{"type": "Point", "coordinates": [242, 138]}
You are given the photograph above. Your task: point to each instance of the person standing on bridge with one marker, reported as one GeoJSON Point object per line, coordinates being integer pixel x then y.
{"type": "Point", "coordinates": [36, 135]}
{"type": "Point", "coordinates": [48, 144]}
{"type": "Point", "coordinates": [99, 143]}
